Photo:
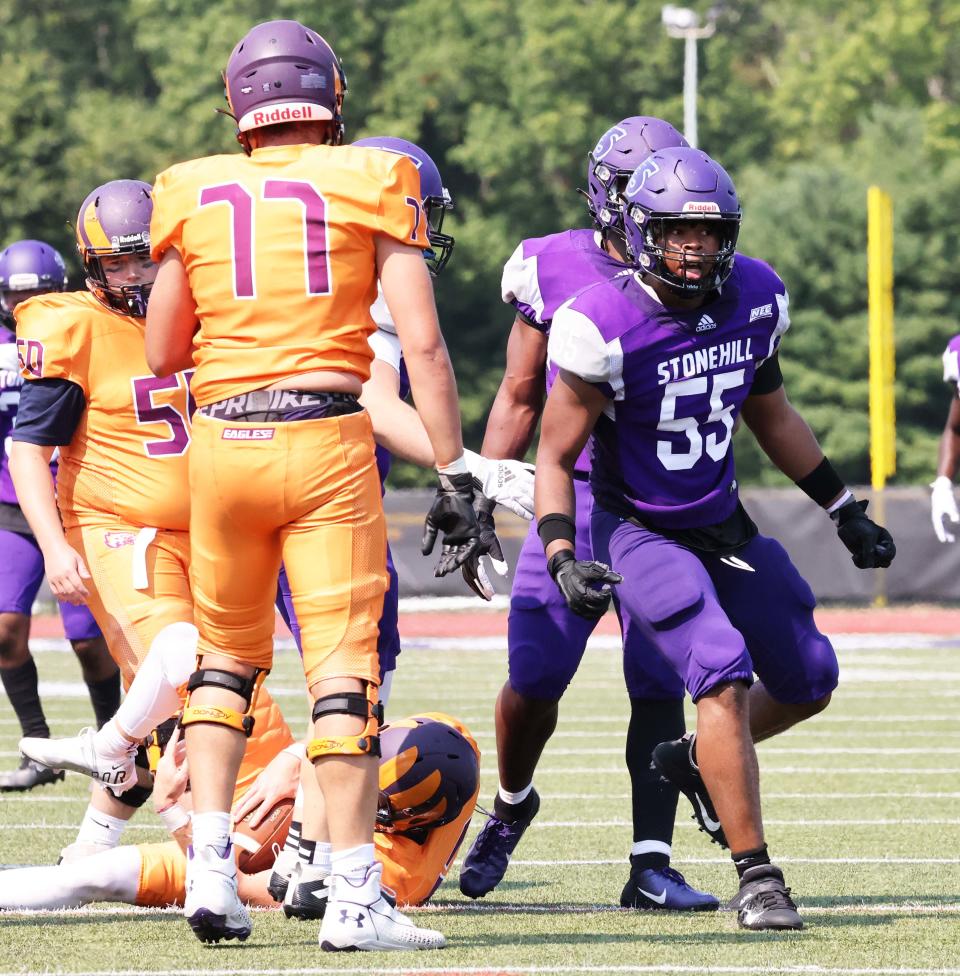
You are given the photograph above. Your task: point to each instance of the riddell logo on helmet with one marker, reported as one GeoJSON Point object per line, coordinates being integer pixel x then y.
{"type": "Point", "coordinates": [120, 240]}
{"type": "Point", "coordinates": [701, 206]}
{"type": "Point", "coordinates": [288, 114]}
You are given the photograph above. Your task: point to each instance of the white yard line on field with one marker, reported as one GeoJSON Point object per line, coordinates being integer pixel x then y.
{"type": "Point", "coordinates": [506, 969]}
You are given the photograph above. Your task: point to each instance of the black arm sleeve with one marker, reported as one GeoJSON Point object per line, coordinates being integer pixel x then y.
{"type": "Point", "coordinates": [49, 412]}
{"type": "Point", "coordinates": [768, 378]}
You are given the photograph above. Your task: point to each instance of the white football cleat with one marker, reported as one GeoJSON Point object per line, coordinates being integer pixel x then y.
{"type": "Point", "coordinates": [212, 906]}
{"type": "Point", "coordinates": [359, 918]}
{"type": "Point", "coordinates": [79, 754]}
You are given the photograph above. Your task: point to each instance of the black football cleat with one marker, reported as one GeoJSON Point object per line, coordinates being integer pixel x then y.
{"type": "Point", "coordinates": [28, 775]}
{"type": "Point", "coordinates": [674, 762]}
{"type": "Point", "coordinates": [307, 893]}
{"type": "Point", "coordinates": [765, 902]}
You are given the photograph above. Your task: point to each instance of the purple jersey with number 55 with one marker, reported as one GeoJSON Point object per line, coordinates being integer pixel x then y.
{"type": "Point", "coordinates": [676, 381]}
{"type": "Point", "coordinates": [544, 272]}
{"type": "Point", "coordinates": [127, 458]}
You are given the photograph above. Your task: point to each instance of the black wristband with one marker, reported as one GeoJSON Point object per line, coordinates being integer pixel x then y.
{"type": "Point", "coordinates": [823, 484]}
{"type": "Point", "coordinates": [556, 526]}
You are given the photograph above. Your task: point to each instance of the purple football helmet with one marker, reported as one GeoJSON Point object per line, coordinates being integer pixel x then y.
{"type": "Point", "coordinates": [428, 772]}
{"type": "Point", "coordinates": [28, 266]}
{"type": "Point", "coordinates": [115, 220]}
{"type": "Point", "coordinates": [436, 197]}
{"type": "Point", "coordinates": [282, 71]}
{"type": "Point", "coordinates": [614, 158]}
{"type": "Point", "coordinates": [681, 184]}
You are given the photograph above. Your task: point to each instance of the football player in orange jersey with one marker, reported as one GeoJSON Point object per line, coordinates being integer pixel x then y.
{"type": "Point", "coordinates": [268, 266]}
{"type": "Point", "coordinates": [114, 535]}
{"type": "Point", "coordinates": [429, 779]}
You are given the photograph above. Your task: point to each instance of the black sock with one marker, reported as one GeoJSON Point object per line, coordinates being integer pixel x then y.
{"type": "Point", "coordinates": [511, 812]}
{"type": "Point", "coordinates": [307, 849]}
{"type": "Point", "coordinates": [654, 801]}
{"type": "Point", "coordinates": [750, 859]}
{"type": "Point", "coordinates": [105, 698]}
{"type": "Point", "coordinates": [292, 843]}
{"type": "Point", "coordinates": [22, 687]}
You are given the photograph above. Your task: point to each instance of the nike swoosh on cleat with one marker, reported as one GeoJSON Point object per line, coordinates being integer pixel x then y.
{"type": "Point", "coordinates": [711, 825]}
{"type": "Point", "coordinates": [659, 899]}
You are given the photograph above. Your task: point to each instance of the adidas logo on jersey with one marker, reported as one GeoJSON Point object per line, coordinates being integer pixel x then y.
{"type": "Point", "coordinates": [761, 312]}
{"type": "Point", "coordinates": [705, 324]}
{"type": "Point", "coordinates": [247, 434]}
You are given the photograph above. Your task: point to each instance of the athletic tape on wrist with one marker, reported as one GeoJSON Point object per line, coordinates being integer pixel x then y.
{"type": "Point", "coordinates": [174, 818]}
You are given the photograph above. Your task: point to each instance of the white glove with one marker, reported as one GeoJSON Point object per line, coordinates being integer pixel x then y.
{"type": "Point", "coordinates": [508, 483]}
{"type": "Point", "coordinates": [943, 506]}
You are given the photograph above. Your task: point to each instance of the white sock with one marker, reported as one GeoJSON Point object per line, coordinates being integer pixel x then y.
{"type": "Point", "coordinates": [211, 830]}
{"type": "Point", "coordinates": [649, 847]}
{"type": "Point", "coordinates": [323, 856]}
{"type": "Point", "coordinates": [153, 696]}
{"type": "Point", "coordinates": [111, 742]}
{"type": "Point", "coordinates": [100, 828]}
{"type": "Point", "coordinates": [514, 798]}
{"type": "Point", "coordinates": [352, 863]}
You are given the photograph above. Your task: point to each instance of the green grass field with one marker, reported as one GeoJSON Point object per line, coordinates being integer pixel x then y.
{"type": "Point", "coordinates": [860, 806]}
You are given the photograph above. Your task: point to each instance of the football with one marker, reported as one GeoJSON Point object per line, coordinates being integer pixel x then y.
{"type": "Point", "coordinates": [255, 845]}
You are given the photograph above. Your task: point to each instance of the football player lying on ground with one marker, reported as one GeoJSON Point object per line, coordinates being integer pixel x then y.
{"type": "Point", "coordinates": [657, 365]}
{"type": "Point", "coordinates": [431, 757]}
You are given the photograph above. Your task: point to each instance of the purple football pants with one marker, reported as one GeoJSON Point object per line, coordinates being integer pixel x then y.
{"type": "Point", "coordinates": [720, 619]}
{"type": "Point", "coordinates": [546, 640]}
{"type": "Point", "coordinates": [21, 573]}
{"type": "Point", "coordinates": [388, 643]}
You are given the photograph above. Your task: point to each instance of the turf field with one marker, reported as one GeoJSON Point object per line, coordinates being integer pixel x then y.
{"type": "Point", "coordinates": [860, 804]}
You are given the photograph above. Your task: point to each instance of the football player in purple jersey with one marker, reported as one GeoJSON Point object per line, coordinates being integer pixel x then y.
{"type": "Point", "coordinates": [943, 506]}
{"type": "Point", "coordinates": [546, 640]}
{"type": "Point", "coordinates": [29, 268]}
{"type": "Point", "coordinates": [658, 365]}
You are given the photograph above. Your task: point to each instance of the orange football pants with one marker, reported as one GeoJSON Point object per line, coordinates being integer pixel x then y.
{"type": "Point", "coordinates": [307, 493]}
{"type": "Point", "coordinates": [129, 617]}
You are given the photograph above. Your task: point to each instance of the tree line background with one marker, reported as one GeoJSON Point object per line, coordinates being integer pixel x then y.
{"type": "Point", "coordinates": [805, 104]}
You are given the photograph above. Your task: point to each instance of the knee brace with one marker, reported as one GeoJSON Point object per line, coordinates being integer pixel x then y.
{"type": "Point", "coordinates": [247, 688]}
{"type": "Point", "coordinates": [137, 795]}
{"type": "Point", "coordinates": [157, 741]}
{"type": "Point", "coordinates": [365, 706]}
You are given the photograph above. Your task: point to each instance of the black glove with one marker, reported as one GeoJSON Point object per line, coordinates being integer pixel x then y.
{"type": "Point", "coordinates": [452, 514]}
{"type": "Point", "coordinates": [871, 544]}
{"type": "Point", "coordinates": [474, 573]}
{"type": "Point", "coordinates": [576, 579]}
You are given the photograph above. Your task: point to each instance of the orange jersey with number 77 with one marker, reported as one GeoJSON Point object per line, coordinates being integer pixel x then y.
{"type": "Point", "coordinates": [128, 456]}
{"type": "Point", "coordinates": [279, 250]}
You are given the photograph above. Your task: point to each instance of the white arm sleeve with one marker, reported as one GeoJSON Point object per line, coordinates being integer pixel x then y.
{"type": "Point", "coordinates": [386, 348]}
{"type": "Point", "coordinates": [951, 366]}
{"type": "Point", "coordinates": [576, 345]}
{"type": "Point", "coordinates": [380, 313]}
{"type": "Point", "coordinates": [783, 324]}
{"type": "Point", "coordinates": [520, 283]}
